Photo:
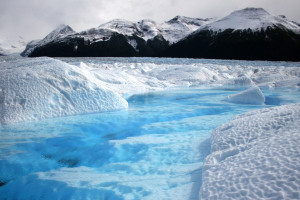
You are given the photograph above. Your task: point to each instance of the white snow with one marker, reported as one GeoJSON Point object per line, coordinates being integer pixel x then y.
{"type": "Point", "coordinates": [251, 18]}
{"type": "Point", "coordinates": [134, 44]}
{"type": "Point", "coordinates": [60, 32]}
{"type": "Point", "coordinates": [135, 77]}
{"type": "Point", "coordinates": [121, 26]}
{"type": "Point", "coordinates": [180, 26]}
{"type": "Point", "coordinates": [40, 88]}
{"type": "Point", "coordinates": [255, 156]}
{"type": "Point", "coordinates": [252, 95]}
{"type": "Point", "coordinates": [149, 28]}
{"type": "Point", "coordinates": [172, 30]}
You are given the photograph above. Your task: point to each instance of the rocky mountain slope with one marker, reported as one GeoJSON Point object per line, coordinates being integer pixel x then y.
{"type": "Point", "coordinates": [115, 38]}
{"type": "Point", "coordinates": [251, 34]}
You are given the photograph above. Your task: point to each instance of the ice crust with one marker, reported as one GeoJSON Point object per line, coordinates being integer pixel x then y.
{"type": "Point", "coordinates": [255, 156]}
{"type": "Point", "coordinates": [252, 95]}
{"type": "Point", "coordinates": [40, 88]}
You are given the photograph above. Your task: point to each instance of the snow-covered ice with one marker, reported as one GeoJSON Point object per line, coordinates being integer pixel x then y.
{"type": "Point", "coordinates": [130, 76]}
{"type": "Point", "coordinates": [255, 156]}
{"type": "Point", "coordinates": [40, 88]}
{"type": "Point", "coordinates": [252, 95]}
{"type": "Point", "coordinates": [145, 152]}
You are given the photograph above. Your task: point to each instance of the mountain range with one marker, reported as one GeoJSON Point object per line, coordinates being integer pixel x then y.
{"type": "Point", "coordinates": [247, 34]}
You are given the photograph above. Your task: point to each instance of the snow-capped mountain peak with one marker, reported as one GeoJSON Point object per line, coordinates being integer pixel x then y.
{"type": "Point", "coordinates": [251, 18]}
{"type": "Point", "coordinates": [121, 26]}
{"type": "Point", "coordinates": [172, 30]}
{"type": "Point", "coordinates": [149, 28]}
{"type": "Point", "coordinates": [60, 31]}
{"type": "Point", "coordinates": [188, 20]}
{"type": "Point", "coordinates": [181, 36]}
{"type": "Point", "coordinates": [180, 26]}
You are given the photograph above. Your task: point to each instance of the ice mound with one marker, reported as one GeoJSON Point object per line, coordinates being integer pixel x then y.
{"type": "Point", "coordinates": [40, 88]}
{"type": "Point", "coordinates": [252, 95]}
{"type": "Point", "coordinates": [255, 156]}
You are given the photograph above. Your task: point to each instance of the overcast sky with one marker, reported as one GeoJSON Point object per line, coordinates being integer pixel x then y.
{"type": "Point", "coordinates": [34, 19]}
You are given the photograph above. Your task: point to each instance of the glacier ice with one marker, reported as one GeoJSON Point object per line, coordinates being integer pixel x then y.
{"type": "Point", "coordinates": [252, 95]}
{"type": "Point", "coordinates": [32, 89]}
{"type": "Point", "coordinates": [255, 156]}
{"type": "Point", "coordinates": [45, 88]}
{"type": "Point", "coordinates": [255, 147]}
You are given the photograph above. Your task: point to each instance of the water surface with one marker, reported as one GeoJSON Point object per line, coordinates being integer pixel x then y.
{"type": "Point", "coordinates": [153, 150]}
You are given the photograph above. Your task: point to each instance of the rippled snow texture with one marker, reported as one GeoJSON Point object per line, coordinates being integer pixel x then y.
{"type": "Point", "coordinates": [255, 156]}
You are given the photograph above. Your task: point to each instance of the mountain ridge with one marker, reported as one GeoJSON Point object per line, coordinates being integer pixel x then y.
{"type": "Point", "coordinates": [250, 33]}
{"type": "Point", "coordinates": [247, 34]}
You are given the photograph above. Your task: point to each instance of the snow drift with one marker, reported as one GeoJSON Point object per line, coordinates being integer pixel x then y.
{"type": "Point", "coordinates": [32, 89]}
{"type": "Point", "coordinates": [255, 156]}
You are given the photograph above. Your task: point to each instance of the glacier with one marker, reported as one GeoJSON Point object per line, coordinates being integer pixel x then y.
{"type": "Point", "coordinates": [109, 155]}
{"type": "Point", "coordinates": [32, 89]}
{"type": "Point", "coordinates": [252, 95]}
{"type": "Point", "coordinates": [40, 88]}
{"type": "Point", "coordinates": [255, 156]}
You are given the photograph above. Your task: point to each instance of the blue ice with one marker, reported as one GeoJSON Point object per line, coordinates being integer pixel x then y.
{"type": "Point", "coordinates": [153, 150]}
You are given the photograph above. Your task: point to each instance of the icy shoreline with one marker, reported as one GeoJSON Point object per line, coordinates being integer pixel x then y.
{"type": "Point", "coordinates": [248, 153]}
{"type": "Point", "coordinates": [255, 156]}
